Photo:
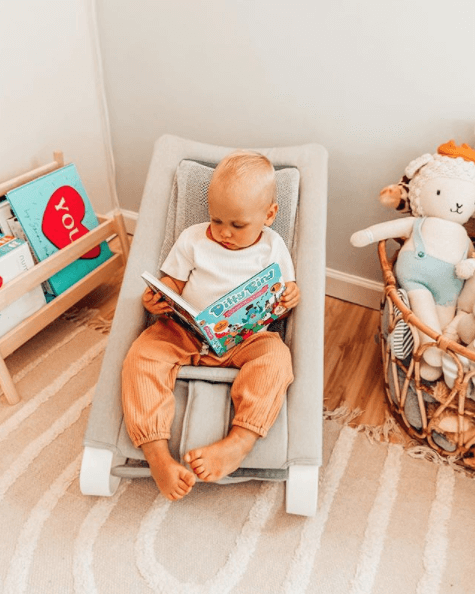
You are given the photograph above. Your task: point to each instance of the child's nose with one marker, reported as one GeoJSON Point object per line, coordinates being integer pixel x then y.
{"type": "Point", "coordinates": [226, 233]}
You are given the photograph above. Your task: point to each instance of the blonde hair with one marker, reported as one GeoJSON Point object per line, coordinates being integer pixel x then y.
{"type": "Point", "coordinates": [248, 166]}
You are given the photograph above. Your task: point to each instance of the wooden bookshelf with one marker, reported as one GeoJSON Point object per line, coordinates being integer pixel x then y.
{"type": "Point", "coordinates": [109, 228]}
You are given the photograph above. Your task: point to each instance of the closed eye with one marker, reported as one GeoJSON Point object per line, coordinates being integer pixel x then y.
{"type": "Point", "coordinates": [235, 225]}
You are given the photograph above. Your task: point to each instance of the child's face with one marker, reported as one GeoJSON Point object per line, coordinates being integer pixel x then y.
{"type": "Point", "coordinates": [238, 212]}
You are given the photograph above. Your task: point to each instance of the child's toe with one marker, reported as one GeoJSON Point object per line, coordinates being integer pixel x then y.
{"type": "Point", "coordinates": [192, 456]}
{"type": "Point", "coordinates": [185, 487]}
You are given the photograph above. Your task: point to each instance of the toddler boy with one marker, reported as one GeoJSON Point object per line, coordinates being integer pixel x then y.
{"type": "Point", "coordinates": [207, 261]}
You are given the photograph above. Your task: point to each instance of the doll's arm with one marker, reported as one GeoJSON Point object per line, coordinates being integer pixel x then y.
{"type": "Point", "coordinates": [386, 230]}
{"type": "Point", "coordinates": [465, 268]}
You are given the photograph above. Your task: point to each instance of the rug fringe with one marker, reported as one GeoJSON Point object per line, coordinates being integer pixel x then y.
{"type": "Point", "coordinates": [423, 452]}
{"type": "Point", "coordinates": [79, 315]}
{"type": "Point", "coordinates": [100, 324]}
{"type": "Point", "coordinates": [388, 431]}
{"type": "Point", "coordinates": [85, 316]}
{"type": "Point", "coordinates": [343, 413]}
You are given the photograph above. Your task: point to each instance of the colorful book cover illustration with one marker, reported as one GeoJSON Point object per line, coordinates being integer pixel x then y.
{"type": "Point", "coordinates": [54, 211]}
{"type": "Point", "coordinates": [247, 309]}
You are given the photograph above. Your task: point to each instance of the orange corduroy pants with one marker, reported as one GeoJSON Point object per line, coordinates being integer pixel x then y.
{"type": "Point", "coordinates": [154, 359]}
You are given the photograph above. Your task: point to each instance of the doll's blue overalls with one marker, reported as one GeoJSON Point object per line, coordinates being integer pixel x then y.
{"type": "Point", "coordinates": [418, 270]}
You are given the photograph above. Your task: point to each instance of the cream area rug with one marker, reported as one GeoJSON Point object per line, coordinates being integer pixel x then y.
{"type": "Point", "coordinates": [387, 523]}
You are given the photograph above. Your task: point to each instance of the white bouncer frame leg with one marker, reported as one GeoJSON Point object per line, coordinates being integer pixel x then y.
{"type": "Point", "coordinates": [301, 491]}
{"type": "Point", "coordinates": [95, 477]}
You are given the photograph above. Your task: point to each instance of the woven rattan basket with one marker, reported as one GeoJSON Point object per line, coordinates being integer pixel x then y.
{"type": "Point", "coordinates": [440, 417]}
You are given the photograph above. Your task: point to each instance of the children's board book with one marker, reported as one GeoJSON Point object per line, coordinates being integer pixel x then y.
{"type": "Point", "coordinates": [5, 214]}
{"type": "Point", "coordinates": [54, 210]}
{"type": "Point", "coordinates": [15, 258]}
{"type": "Point", "coordinates": [247, 309]}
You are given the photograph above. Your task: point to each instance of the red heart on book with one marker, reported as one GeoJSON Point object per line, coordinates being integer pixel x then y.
{"type": "Point", "coordinates": [62, 219]}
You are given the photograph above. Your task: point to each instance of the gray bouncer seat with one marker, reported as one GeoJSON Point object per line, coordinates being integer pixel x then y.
{"type": "Point", "coordinates": [175, 196]}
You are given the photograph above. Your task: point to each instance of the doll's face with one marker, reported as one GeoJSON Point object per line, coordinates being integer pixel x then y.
{"type": "Point", "coordinates": [448, 199]}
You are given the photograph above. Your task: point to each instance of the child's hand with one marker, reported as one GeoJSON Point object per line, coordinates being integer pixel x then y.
{"type": "Point", "coordinates": [151, 302]}
{"type": "Point", "coordinates": [291, 295]}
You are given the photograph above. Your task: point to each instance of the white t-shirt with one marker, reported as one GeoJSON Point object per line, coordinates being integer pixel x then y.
{"type": "Point", "coordinates": [210, 270]}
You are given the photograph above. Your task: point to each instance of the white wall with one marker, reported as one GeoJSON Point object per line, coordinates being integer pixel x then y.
{"type": "Point", "coordinates": [49, 96]}
{"type": "Point", "coordinates": [377, 83]}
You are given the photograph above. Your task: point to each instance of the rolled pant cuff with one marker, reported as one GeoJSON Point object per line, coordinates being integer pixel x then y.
{"type": "Point", "coordinates": [259, 430]}
{"type": "Point", "coordinates": [154, 437]}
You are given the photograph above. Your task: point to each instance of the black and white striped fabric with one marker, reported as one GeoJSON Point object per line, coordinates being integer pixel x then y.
{"type": "Point", "coordinates": [401, 339]}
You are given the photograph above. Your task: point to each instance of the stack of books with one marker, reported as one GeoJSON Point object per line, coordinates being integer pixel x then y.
{"type": "Point", "coordinates": [49, 213]}
{"type": "Point", "coordinates": [36, 220]}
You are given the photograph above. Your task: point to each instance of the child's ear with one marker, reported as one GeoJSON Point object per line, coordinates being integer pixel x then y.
{"type": "Point", "coordinates": [271, 214]}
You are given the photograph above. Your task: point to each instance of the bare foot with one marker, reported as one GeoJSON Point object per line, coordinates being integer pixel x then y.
{"type": "Point", "coordinates": [173, 480]}
{"type": "Point", "coordinates": [212, 463]}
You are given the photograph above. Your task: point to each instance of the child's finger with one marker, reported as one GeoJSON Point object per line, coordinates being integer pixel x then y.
{"type": "Point", "coordinates": [291, 300]}
{"type": "Point", "coordinates": [151, 297]}
{"type": "Point", "coordinates": [156, 298]}
{"type": "Point", "coordinates": [291, 304]}
{"type": "Point", "coordinates": [289, 294]}
{"type": "Point", "coordinates": [162, 307]}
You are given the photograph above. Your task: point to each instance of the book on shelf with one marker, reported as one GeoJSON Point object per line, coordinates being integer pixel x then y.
{"type": "Point", "coordinates": [17, 231]}
{"type": "Point", "coordinates": [5, 214]}
{"type": "Point", "coordinates": [15, 258]}
{"type": "Point", "coordinates": [53, 211]}
{"type": "Point", "coordinates": [247, 309]}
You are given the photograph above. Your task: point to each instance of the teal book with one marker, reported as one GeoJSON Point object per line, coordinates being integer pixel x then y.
{"type": "Point", "coordinates": [247, 309]}
{"type": "Point", "coordinates": [54, 211]}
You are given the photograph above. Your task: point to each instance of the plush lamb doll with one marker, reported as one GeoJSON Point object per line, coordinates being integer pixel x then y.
{"type": "Point", "coordinates": [435, 257]}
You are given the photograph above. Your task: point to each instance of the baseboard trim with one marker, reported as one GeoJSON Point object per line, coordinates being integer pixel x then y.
{"type": "Point", "coordinates": [355, 289]}
{"type": "Point", "coordinates": [130, 220]}
{"type": "Point", "coordinates": [341, 285]}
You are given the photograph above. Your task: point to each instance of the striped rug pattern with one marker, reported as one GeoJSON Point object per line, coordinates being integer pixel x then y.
{"type": "Point", "coordinates": [386, 522]}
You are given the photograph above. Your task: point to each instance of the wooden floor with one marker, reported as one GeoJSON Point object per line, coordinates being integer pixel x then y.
{"type": "Point", "coordinates": [353, 367]}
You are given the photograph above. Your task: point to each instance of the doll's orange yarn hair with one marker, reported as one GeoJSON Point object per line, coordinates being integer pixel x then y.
{"type": "Point", "coordinates": [450, 149]}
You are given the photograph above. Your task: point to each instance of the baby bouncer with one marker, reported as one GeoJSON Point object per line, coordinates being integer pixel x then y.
{"type": "Point", "coordinates": [175, 197]}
